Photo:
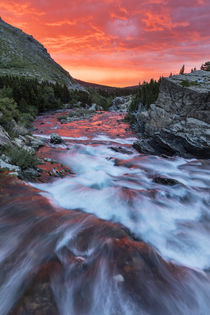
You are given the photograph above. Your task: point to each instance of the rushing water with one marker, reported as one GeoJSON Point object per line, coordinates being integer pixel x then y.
{"type": "Point", "coordinates": [120, 187]}
{"type": "Point", "coordinates": [106, 269]}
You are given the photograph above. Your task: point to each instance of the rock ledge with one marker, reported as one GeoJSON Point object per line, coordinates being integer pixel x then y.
{"type": "Point", "coordinates": [179, 122]}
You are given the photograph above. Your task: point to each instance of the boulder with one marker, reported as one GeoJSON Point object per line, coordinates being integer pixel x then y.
{"type": "Point", "coordinates": [4, 138]}
{"type": "Point", "coordinates": [121, 103]}
{"type": "Point", "coordinates": [34, 142]}
{"type": "Point", "coordinates": [30, 173]}
{"type": "Point", "coordinates": [55, 139]}
{"type": "Point", "coordinates": [179, 122]}
{"type": "Point", "coordinates": [8, 166]}
{"type": "Point", "coordinates": [16, 129]}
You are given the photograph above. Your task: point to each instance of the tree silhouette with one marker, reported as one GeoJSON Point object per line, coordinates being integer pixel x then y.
{"type": "Point", "coordinates": [182, 70]}
{"type": "Point", "coordinates": [206, 66]}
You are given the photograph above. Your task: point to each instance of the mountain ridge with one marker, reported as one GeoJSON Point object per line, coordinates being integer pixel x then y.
{"type": "Point", "coordinates": [22, 55]}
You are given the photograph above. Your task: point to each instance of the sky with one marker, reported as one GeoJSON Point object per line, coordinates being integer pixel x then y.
{"type": "Point", "coordinates": [117, 42]}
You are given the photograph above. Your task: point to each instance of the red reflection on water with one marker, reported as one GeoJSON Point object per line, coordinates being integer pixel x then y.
{"type": "Point", "coordinates": [110, 124]}
{"type": "Point", "coordinates": [107, 123]}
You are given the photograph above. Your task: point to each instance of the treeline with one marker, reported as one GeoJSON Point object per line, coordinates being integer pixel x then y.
{"type": "Point", "coordinates": [109, 91]}
{"type": "Point", "coordinates": [21, 99]}
{"type": "Point", "coordinates": [114, 92]}
{"type": "Point", "coordinates": [45, 95]}
{"type": "Point", "coordinates": [31, 93]}
{"type": "Point", "coordinates": [146, 94]}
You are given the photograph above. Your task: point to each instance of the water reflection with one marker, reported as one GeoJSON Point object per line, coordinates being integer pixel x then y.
{"type": "Point", "coordinates": [57, 255]}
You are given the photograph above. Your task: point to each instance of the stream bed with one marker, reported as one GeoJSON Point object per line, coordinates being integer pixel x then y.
{"type": "Point", "coordinates": [122, 233]}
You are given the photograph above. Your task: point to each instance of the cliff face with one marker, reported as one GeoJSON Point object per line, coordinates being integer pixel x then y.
{"type": "Point", "coordinates": [179, 122]}
{"type": "Point", "coordinates": [22, 55]}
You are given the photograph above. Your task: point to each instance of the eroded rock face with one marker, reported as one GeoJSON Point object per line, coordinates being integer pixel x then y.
{"type": "Point", "coordinates": [179, 122]}
{"type": "Point", "coordinates": [121, 103]}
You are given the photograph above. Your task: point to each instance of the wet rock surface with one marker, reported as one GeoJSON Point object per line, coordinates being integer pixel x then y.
{"type": "Point", "coordinates": [55, 139]}
{"type": "Point", "coordinates": [121, 150]}
{"type": "Point", "coordinates": [70, 257]}
{"type": "Point", "coordinates": [103, 237]}
{"type": "Point", "coordinates": [179, 122]}
{"type": "Point", "coordinates": [166, 181]}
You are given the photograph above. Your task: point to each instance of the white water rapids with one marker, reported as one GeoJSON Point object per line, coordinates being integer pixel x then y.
{"type": "Point", "coordinates": [131, 234]}
{"type": "Point", "coordinates": [120, 187]}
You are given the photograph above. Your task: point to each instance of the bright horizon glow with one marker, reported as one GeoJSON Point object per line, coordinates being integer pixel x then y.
{"type": "Point", "coordinates": [117, 43]}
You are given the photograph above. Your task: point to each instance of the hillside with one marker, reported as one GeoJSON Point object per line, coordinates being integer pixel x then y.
{"type": "Point", "coordinates": [109, 90]}
{"type": "Point", "coordinates": [22, 55]}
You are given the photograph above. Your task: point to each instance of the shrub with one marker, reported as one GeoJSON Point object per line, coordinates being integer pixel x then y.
{"type": "Point", "coordinates": [26, 119]}
{"type": "Point", "coordinates": [21, 157]}
{"type": "Point", "coordinates": [60, 118]}
{"type": "Point", "coordinates": [9, 111]}
{"type": "Point", "coordinates": [187, 83]}
{"type": "Point", "coordinates": [6, 92]}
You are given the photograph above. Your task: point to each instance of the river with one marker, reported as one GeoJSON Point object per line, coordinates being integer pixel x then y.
{"type": "Point", "coordinates": [122, 233]}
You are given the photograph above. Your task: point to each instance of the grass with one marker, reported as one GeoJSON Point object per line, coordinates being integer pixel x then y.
{"type": "Point", "coordinates": [187, 83]}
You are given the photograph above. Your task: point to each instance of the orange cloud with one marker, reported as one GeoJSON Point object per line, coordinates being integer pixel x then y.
{"type": "Point", "coordinates": [117, 42]}
{"type": "Point", "coordinates": [159, 22]}
{"type": "Point", "coordinates": [19, 9]}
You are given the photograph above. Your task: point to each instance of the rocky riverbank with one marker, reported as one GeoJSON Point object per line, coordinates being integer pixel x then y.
{"type": "Point", "coordinates": [179, 122]}
{"type": "Point", "coordinates": [18, 153]}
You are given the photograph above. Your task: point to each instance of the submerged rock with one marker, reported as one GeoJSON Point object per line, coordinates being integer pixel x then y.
{"type": "Point", "coordinates": [165, 181]}
{"type": "Point", "coordinates": [179, 122]}
{"type": "Point", "coordinates": [30, 173]}
{"type": "Point", "coordinates": [121, 150]}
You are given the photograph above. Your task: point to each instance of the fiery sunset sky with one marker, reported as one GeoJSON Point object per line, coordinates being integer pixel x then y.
{"type": "Point", "coordinates": [117, 42]}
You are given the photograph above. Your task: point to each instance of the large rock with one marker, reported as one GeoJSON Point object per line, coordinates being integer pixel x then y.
{"type": "Point", "coordinates": [16, 129]}
{"type": "Point", "coordinates": [10, 167]}
{"type": "Point", "coordinates": [4, 138]}
{"type": "Point", "coordinates": [121, 103]}
{"type": "Point", "coordinates": [55, 139]}
{"type": "Point", "coordinates": [179, 122]}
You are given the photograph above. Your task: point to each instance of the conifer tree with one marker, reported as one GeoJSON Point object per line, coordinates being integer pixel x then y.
{"type": "Point", "coordinates": [182, 70]}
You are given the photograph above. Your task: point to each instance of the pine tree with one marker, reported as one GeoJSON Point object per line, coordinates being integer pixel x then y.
{"type": "Point", "coordinates": [182, 70]}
